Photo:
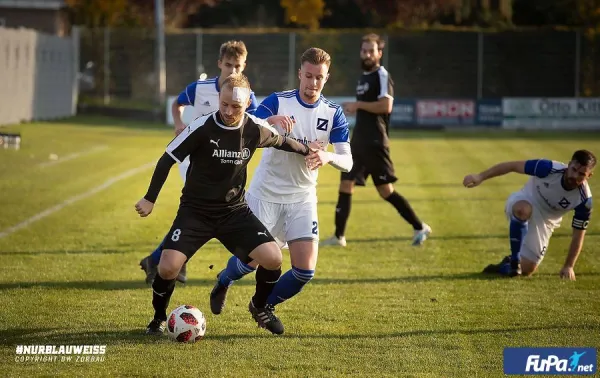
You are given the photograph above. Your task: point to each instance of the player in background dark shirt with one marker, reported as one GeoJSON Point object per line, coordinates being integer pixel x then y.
{"type": "Point", "coordinates": [370, 144]}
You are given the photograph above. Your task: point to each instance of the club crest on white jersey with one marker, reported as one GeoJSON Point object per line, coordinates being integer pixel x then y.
{"type": "Point", "coordinates": [283, 177]}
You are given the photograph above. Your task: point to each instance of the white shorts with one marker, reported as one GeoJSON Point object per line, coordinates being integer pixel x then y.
{"type": "Point", "coordinates": [538, 230]}
{"type": "Point", "coordinates": [287, 221]}
{"type": "Point", "coordinates": [183, 167]}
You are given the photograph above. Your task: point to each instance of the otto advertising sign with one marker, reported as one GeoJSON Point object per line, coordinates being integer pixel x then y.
{"type": "Point", "coordinates": [447, 112]}
{"type": "Point", "coordinates": [551, 112]}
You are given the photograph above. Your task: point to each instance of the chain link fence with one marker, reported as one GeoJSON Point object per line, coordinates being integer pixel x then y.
{"type": "Point", "coordinates": [436, 64]}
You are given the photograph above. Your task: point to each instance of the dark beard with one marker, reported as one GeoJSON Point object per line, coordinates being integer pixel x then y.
{"type": "Point", "coordinates": [367, 65]}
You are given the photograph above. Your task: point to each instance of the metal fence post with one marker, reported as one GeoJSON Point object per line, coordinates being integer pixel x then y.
{"type": "Point", "coordinates": [479, 65]}
{"type": "Point", "coordinates": [292, 61]}
{"type": "Point", "coordinates": [161, 71]}
{"type": "Point", "coordinates": [577, 83]}
{"type": "Point", "coordinates": [76, 43]}
{"type": "Point", "coordinates": [106, 66]}
{"type": "Point", "coordinates": [386, 55]}
{"type": "Point", "coordinates": [199, 57]}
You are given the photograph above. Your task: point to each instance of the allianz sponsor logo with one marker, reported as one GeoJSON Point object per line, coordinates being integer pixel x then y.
{"type": "Point", "coordinates": [231, 157]}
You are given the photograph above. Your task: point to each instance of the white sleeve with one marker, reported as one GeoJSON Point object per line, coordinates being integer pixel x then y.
{"type": "Point", "coordinates": [385, 84]}
{"type": "Point", "coordinates": [341, 158]}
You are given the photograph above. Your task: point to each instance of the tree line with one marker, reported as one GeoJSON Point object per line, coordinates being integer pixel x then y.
{"type": "Point", "coordinates": [339, 14]}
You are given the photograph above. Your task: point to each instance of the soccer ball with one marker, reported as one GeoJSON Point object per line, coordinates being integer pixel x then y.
{"type": "Point", "coordinates": [186, 324]}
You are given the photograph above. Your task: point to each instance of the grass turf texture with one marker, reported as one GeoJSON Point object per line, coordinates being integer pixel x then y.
{"type": "Point", "coordinates": [376, 308]}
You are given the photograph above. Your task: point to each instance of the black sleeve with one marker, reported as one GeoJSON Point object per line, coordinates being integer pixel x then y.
{"type": "Point", "coordinates": [187, 141]}
{"type": "Point", "coordinates": [161, 172]}
{"type": "Point", "coordinates": [270, 138]}
{"type": "Point", "coordinates": [290, 145]}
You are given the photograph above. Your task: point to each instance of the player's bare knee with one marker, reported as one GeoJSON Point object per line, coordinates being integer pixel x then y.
{"type": "Point", "coordinates": [303, 254]}
{"type": "Point", "coordinates": [272, 263]}
{"type": "Point", "coordinates": [385, 190]}
{"type": "Point", "coordinates": [528, 267]}
{"type": "Point", "coordinates": [170, 264]}
{"type": "Point", "coordinates": [347, 186]}
{"type": "Point", "coordinates": [522, 210]}
{"type": "Point", "coordinates": [168, 270]}
{"type": "Point", "coordinates": [267, 255]}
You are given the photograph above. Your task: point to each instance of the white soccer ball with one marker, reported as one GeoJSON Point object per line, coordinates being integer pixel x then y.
{"type": "Point", "coordinates": [186, 324]}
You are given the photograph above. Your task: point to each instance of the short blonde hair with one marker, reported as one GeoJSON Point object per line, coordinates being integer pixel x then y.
{"type": "Point", "coordinates": [316, 56]}
{"type": "Point", "coordinates": [233, 49]}
{"type": "Point", "coordinates": [236, 80]}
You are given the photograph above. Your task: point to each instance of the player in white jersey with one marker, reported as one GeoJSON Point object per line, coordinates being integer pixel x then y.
{"type": "Point", "coordinates": [282, 193]}
{"type": "Point", "coordinates": [537, 209]}
{"type": "Point", "coordinates": [200, 98]}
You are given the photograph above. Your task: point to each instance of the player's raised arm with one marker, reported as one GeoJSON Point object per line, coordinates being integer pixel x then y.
{"type": "Point", "coordinates": [538, 167]}
{"type": "Point", "coordinates": [268, 110]}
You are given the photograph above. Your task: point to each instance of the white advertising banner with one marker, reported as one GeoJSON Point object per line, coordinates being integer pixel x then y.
{"type": "Point", "coordinates": [551, 113]}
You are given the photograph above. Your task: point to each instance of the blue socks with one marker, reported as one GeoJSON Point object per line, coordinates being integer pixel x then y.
{"type": "Point", "coordinates": [290, 284]}
{"type": "Point", "coordinates": [158, 252]}
{"type": "Point", "coordinates": [517, 232]}
{"type": "Point", "coordinates": [235, 270]}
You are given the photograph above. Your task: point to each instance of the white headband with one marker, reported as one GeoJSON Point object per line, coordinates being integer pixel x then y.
{"type": "Point", "coordinates": [241, 94]}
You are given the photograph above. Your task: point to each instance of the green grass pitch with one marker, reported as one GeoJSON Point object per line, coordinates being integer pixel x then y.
{"type": "Point", "coordinates": [377, 308]}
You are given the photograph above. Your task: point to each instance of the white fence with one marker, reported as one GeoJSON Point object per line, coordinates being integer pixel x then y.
{"type": "Point", "coordinates": [38, 75]}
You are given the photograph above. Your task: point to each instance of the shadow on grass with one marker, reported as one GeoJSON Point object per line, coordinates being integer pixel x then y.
{"type": "Point", "coordinates": [441, 200]}
{"type": "Point", "coordinates": [103, 121]}
{"type": "Point", "coordinates": [249, 281]}
{"type": "Point", "coordinates": [64, 252]}
{"type": "Point", "coordinates": [24, 336]}
{"type": "Point", "coordinates": [58, 337]}
{"type": "Point", "coordinates": [404, 239]}
{"type": "Point", "coordinates": [401, 184]}
{"type": "Point", "coordinates": [412, 333]}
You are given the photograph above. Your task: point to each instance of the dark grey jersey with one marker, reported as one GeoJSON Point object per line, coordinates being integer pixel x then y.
{"type": "Point", "coordinates": [218, 158]}
{"type": "Point", "coordinates": [372, 128]}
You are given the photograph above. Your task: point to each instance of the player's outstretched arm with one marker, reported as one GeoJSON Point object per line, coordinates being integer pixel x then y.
{"type": "Point", "coordinates": [290, 145]}
{"type": "Point", "coordinates": [473, 180]}
{"type": "Point", "coordinates": [340, 159]}
{"type": "Point", "coordinates": [269, 137]}
{"type": "Point", "coordinates": [567, 271]}
{"type": "Point", "coordinates": [161, 172]}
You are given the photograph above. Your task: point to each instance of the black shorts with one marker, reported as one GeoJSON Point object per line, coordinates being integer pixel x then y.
{"type": "Point", "coordinates": [371, 160]}
{"type": "Point", "coordinates": [238, 230]}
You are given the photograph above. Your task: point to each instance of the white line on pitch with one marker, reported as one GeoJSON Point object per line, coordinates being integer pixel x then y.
{"type": "Point", "coordinates": [76, 198]}
{"type": "Point", "coordinates": [72, 156]}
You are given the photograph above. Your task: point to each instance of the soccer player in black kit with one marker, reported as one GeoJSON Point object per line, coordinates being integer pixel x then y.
{"type": "Point", "coordinates": [220, 145]}
{"type": "Point", "coordinates": [370, 144]}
